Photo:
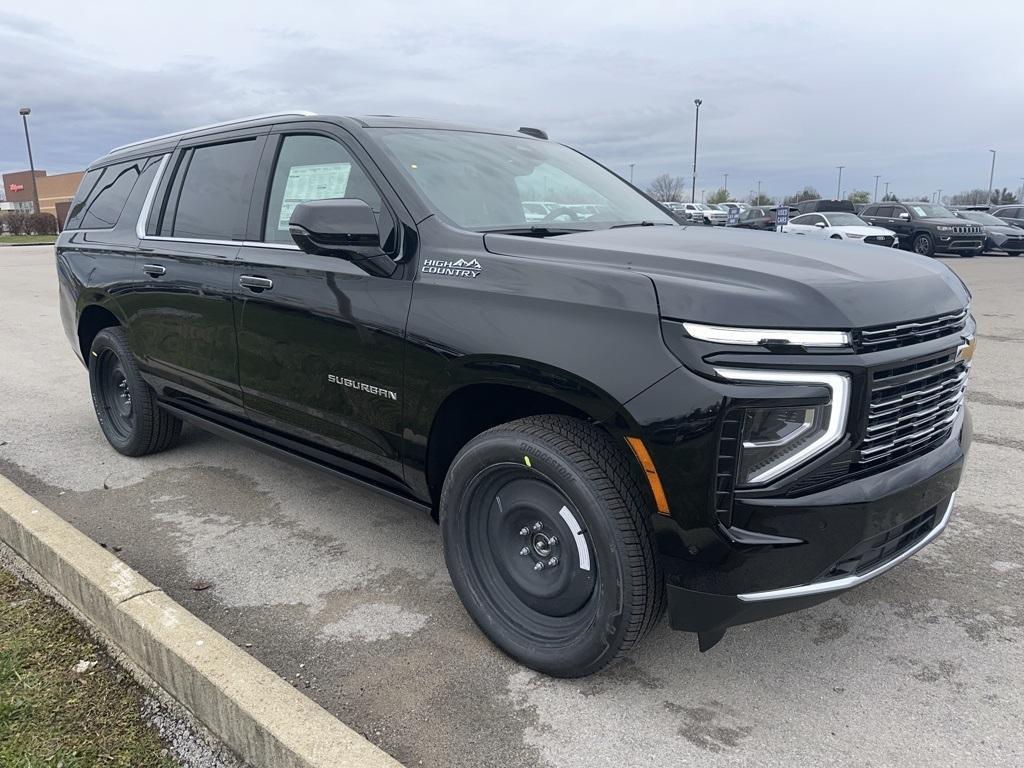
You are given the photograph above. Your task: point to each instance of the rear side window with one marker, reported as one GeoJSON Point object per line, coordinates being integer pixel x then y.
{"type": "Point", "coordinates": [210, 194]}
{"type": "Point", "coordinates": [313, 168]}
{"type": "Point", "coordinates": [102, 195]}
{"type": "Point", "coordinates": [883, 210]}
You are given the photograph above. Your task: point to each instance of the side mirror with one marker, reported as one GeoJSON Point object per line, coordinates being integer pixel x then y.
{"type": "Point", "coordinates": [905, 216]}
{"type": "Point", "coordinates": [343, 227]}
{"type": "Point", "coordinates": [819, 225]}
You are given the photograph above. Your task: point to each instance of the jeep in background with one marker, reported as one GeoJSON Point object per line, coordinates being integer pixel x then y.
{"type": "Point", "coordinates": [927, 229]}
{"type": "Point", "coordinates": [608, 413]}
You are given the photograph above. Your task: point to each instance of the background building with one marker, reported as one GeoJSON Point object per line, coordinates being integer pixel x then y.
{"type": "Point", "coordinates": [55, 192]}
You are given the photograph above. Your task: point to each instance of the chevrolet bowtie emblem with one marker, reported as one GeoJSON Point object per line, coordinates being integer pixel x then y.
{"type": "Point", "coordinates": [965, 352]}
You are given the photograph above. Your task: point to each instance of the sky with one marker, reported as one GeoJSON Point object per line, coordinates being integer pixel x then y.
{"type": "Point", "coordinates": [916, 92]}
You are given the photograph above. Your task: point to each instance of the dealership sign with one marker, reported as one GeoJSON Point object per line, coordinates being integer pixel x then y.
{"type": "Point", "coordinates": [15, 187]}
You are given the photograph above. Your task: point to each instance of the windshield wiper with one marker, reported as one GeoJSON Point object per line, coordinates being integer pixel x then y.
{"type": "Point", "coordinates": [533, 231]}
{"type": "Point", "coordinates": [641, 224]}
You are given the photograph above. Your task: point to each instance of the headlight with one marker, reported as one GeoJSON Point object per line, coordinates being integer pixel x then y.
{"type": "Point", "coordinates": [777, 439]}
{"type": "Point", "coordinates": [942, 228]}
{"type": "Point", "coordinates": [853, 236]}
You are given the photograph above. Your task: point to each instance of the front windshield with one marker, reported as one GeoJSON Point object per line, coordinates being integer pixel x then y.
{"type": "Point", "coordinates": [483, 181]}
{"type": "Point", "coordinates": [844, 220]}
{"type": "Point", "coordinates": [929, 211]}
{"type": "Point", "coordinates": [982, 218]}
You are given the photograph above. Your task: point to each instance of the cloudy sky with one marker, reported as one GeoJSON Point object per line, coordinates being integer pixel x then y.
{"type": "Point", "coordinates": [915, 91]}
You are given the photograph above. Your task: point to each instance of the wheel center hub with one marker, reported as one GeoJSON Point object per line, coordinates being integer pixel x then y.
{"type": "Point", "coordinates": [542, 544]}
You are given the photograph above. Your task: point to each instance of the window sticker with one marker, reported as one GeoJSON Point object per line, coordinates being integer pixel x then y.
{"type": "Point", "coordinates": [312, 182]}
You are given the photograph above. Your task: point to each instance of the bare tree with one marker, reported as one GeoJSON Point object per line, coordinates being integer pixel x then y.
{"type": "Point", "coordinates": [667, 189]}
{"type": "Point", "coordinates": [807, 193]}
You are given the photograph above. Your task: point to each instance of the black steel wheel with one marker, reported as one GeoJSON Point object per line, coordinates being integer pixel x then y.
{"type": "Point", "coordinates": [547, 543]}
{"type": "Point", "coordinates": [125, 405]}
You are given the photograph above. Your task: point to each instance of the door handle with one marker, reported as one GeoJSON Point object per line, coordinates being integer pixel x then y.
{"type": "Point", "coordinates": [256, 284]}
{"type": "Point", "coordinates": [154, 270]}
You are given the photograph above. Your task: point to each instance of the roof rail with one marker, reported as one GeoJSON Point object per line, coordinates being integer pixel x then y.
{"type": "Point", "coordinates": [250, 118]}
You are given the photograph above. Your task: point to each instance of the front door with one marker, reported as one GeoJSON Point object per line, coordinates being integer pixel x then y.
{"type": "Point", "coordinates": [320, 342]}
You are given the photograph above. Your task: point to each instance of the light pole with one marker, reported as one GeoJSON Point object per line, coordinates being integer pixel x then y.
{"type": "Point", "coordinates": [876, 189]}
{"type": "Point", "coordinates": [631, 172]}
{"type": "Point", "coordinates": [696, 125]}
{"type": "Point", "coordinates": [25, 112]}
{"type": "Point", "coordinates": [939, 198]}
{"type": "Point", "coordinates": [1020, 197]}
{"type": "Point", "coordinates": [726, 185]}
{"type": "Point", "coordinates": [839, 181]}
{"type": "Point", "coordinates": [991, 176]}
{"type": "Point", "coordinates": [886, 190]}
{"type": "Point", "coordinates": [758, 193]}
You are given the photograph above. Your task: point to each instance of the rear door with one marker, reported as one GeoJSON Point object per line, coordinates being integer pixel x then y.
{"type": "Point", "coordinates": [182, 321]}
{"type": "Point", "coordinates": [320, 342]}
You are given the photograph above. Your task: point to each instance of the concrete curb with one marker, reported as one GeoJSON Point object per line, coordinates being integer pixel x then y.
{"type": "Point", "coordinates": [250, 709]}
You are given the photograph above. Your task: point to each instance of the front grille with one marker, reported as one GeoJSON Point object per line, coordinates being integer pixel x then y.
{"type": "Point", "coordinates": [1014, 243]}
{"type": "Point", "coordinates": [913, 332]}
{"type": "Point", "coordinates": [912, 406]}
{"type": "Point", "coordinates": [884, 546]}
{"type": "Point", "coordinates": [885, 240]}
{"type": "Point", "coordinates": [964, 229]}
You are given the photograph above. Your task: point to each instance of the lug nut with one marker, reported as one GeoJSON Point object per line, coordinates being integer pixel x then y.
{"type": "Point", "coordinates": [524, 551]}
{"type": "Point", "coordinates": [553, 562]}
{"type": "Point", "coordinates": [552, 540]}
{"type": "Point", "coordinates": [524, 531]}
{"type": "Point", "coordinates": [538, 566]}
{"type": "Point", "coordinates": [538, 525]}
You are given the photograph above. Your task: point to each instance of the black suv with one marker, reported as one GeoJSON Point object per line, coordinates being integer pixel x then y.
{"type": "Point", "coordinates": [606, 411]}
{"type": "Point", "coordinates": [927, 228]}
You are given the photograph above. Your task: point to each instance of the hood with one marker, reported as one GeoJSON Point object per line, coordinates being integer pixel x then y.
{"type": "Point", "coordinates": [949, 221]}
{"type": "Point", "coordinates": [760, 279]}
{"type": "Point", "coordinates": [866, 230]}
{"type": "Point", "coordinates": [1003, 230]}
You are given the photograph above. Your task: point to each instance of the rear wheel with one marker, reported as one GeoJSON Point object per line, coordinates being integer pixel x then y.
{"type": "Point", "coordinates": [125, 405]}
{"type": "Point", "coordinates": [545, 536]}
{"type": "Point", "coordinates": [924, 245]}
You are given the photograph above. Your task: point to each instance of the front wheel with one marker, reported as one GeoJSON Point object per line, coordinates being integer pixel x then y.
{"type": "Point", "coordinates": [125, 405]}
{"type": "Point", "coordinates": [924, 245]}
{"type": "Point", "coordinates": [545, 535]}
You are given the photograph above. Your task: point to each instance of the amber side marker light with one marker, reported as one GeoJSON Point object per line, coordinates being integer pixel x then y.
{"type": "Point", "coordinates": [640, 451]}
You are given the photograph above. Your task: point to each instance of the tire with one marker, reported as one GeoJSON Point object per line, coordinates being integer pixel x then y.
{"type": "Point", "coordinates": [125, 405]}
{"type": "Point", "coordinates": [924, 245]}
{"type": "Point", "coordinates": [558, 492]}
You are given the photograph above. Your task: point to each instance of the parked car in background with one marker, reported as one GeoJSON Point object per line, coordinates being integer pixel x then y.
{"type": "Point", "coordinates": [1011, 214]}
{"type": "Point", "coordinates": [999, 236]}
{"type": "Point", "coordinates": [839, 225]}
{"type": "Point", "coordinates": [703, 213]}
{"type": "Point", "coordinates": [927, 228]}
{"type": "Point", "coordinates": [732, 204]}
{"type": "Point", "coordinates": [757, 217]}
{"type": "Point", "coordinates": [820, 206]}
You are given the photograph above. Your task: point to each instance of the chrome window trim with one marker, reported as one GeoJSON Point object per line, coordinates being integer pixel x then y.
{"type": "Point", "coordinates": [147, 204]}
{"type": "Point", "coordinates": [224, 124]}
{"type": "Point", "coordinates": [721, 334]}
{"type": "Point", "coordinates": [846, 582]}
{"type": "Point", "coordinates": [839, 386]}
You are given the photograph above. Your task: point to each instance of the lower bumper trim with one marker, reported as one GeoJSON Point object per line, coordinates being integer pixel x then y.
{"type": "Point", "coordinates": [837, 585]}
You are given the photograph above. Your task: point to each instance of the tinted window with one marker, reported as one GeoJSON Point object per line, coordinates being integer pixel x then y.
{"type": "Point", "coordinates": [883, 210]}
{"type": "Point", "coordinates": [102, 195]}
{"type": "Point", "coordinates": [213, 197]}
{"type": "Point", "coordinates": [313, 168]}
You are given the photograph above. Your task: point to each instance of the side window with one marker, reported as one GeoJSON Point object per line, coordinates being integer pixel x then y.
{"type": "Point", "coordinates": [102, 195]}
{"type": "Point", "coordinates": [897, 210]}
{"type": "Point", "coordinates": [313, 168]}
{"type": "Point", "coordinates": [212, 199]}
{"type": "Point", "coordinates": [884, 211]}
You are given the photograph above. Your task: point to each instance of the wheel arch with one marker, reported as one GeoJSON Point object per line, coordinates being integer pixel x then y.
{"type": "Point", "coordinates": [91, 320]}
{"type": "Point", "coordinates": [473, 407]}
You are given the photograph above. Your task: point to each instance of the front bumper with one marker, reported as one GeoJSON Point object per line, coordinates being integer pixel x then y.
{"type": "Point", "coordinates": [847, 535]}
{"type": "Point", "coordinates": [959, 244]}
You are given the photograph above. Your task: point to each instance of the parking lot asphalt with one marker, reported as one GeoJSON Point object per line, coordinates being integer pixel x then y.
{"type": "Point", "coordinates": [345, 593]}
